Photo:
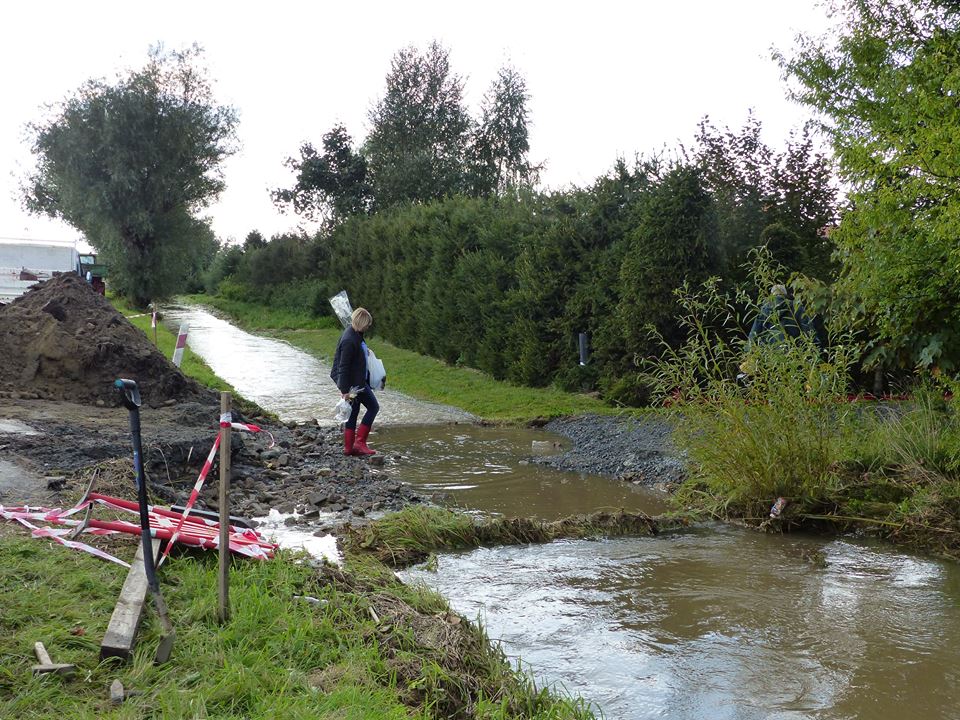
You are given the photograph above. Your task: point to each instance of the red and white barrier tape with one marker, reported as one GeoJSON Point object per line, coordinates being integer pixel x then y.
{"type": "Point", "coordinates": [164, 524]}
{"type": "Point", "coordinates": [54, 534]}
{"type": "Point", "coordinates": [226, 420]}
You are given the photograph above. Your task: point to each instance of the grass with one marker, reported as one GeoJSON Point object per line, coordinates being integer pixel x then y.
{"type": "Point", "coordinates": [367, 647]}
{"type": "Point", "coordinates": [191, 365]}
{"type": "Point", "coordinates": [403, 538]}
{"type": "Point", "coordinates": [787, 432]}
{"type": "Point", "coordinates": [416, 375]}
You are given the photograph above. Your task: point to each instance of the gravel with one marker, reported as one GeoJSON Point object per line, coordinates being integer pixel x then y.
{"type": "Point", "coordinates": [632, 450]}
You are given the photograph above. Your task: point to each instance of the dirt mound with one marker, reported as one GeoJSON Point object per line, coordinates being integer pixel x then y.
{"type": "Point", "coordinates": [63, 341]}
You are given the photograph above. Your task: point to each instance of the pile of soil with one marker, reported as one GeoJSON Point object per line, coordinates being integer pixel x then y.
{"type": "Point", "coordinates": [63, 341]}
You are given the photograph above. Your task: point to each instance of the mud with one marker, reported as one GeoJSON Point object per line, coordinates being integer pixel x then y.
{"type": "Point", "coordinates": [304, 471]}
{"type": "Point", "coordinates": [63, 341]}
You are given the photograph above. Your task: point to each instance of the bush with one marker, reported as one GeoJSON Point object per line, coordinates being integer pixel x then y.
{"type": "Point", "coordinates": [777, 430]}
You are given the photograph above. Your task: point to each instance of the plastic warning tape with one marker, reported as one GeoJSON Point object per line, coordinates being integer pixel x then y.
{"type": "Point", "coordinates": [164, 524]}
{"type": "Point", "coordinates": [55, 535]}
{"type": "Point", "coordinates": [226, 420]}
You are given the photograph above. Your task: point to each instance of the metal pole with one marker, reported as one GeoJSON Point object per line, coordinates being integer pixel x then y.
{"type": "Point", "coordinates": [224, 609]}
{"type": "Point", "coordinates": [131, 399]}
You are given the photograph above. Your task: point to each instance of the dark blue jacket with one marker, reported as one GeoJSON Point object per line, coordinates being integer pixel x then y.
{"type": "Point", "coordinates": [349, 361]}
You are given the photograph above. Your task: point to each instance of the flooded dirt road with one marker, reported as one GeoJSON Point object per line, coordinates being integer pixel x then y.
{"type": "Point", "coordinates": [285, 380]}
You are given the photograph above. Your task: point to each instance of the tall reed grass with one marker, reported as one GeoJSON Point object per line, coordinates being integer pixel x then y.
{"type": "Point", "coordinates": [769, 418]}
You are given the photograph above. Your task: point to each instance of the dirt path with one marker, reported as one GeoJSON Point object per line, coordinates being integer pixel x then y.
{"type": "Point", "coordinates": [48, 449]}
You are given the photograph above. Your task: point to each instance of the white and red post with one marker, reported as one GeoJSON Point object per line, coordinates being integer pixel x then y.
{"type": "Point", "coordinates": [181, 344]}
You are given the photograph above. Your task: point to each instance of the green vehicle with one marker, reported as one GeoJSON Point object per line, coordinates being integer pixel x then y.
{"type": "Point", "coordinates": [93, 271]}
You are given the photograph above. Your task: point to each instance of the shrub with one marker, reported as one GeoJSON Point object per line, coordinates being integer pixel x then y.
{"type": "Point", "coordinates": [760, 418]}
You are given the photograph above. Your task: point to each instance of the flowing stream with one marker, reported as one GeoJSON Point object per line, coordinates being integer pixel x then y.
{"type": "Point", "coordinates": [715, 622]}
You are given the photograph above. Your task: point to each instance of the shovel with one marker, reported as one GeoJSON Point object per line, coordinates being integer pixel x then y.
{"type": "Point", "coordinates": [131, 400]}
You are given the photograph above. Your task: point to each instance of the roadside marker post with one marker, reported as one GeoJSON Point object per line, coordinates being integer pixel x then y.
{"type": "Point", "coordinates": [224, 589]}
{"type": "Point", "coordinates": [153, 322]}
{"type": "Point", "coordinates": [181, 344]}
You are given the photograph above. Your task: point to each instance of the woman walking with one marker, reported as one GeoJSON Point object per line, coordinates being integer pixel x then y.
{"type": "Point", "coordinates": [350, 374]}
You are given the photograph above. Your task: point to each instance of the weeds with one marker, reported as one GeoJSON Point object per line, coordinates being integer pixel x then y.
{"type": "Point", "coordinates": [411, 535]}
{"type": "Point", "coordinates": [768, 418]}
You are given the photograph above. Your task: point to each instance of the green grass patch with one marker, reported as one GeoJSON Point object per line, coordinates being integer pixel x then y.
{"type": "Point", "coordinates": [368, 647]}
{"type": "Point", "coordinates": [191, 365]}
{"type": "Point", "coordinates": [403, 538]}
{"type": "Point", "coordinates": [416, 375]}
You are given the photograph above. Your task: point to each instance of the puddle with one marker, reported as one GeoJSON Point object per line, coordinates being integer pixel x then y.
{"type": "Point", "coordinates": [8, 426]}
{"type": "Point", "coordinates": [486, 469]}
{"type": "Point", "coordinates": [273, 527]}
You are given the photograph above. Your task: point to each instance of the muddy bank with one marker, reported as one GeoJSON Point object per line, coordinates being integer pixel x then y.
{"type": "Point", "coordinates": [628, 449]}
{"type": "Point", "coordinates": [50, 451]}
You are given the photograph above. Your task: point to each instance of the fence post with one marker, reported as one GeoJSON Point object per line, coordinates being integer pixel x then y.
{"type": "Point", "coordinates": [224, 594]}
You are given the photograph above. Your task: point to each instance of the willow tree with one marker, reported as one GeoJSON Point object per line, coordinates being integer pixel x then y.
{"type": "Point", "coordinates": [131, 164]}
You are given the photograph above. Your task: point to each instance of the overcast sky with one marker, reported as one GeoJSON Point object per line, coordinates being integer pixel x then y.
{"type": "Point", "coordinates": [606, 79]}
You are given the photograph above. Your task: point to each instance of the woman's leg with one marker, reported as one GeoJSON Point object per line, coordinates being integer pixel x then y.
{"type": "Point", "coordinates": [369, 401]}
{"type": "Point", "coordinates": [351, 423]}
{"type": "Point", "coordinates": [350, 428]}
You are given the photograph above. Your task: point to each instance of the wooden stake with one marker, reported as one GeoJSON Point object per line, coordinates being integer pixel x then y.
{"type": "Point", "coordinates": [224, 609]}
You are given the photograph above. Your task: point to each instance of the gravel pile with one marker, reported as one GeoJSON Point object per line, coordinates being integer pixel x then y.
{"type": "Point", "coordinates": [631, 450]}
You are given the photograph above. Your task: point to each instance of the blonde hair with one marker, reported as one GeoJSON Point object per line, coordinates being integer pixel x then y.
{"type": "Point", "coordinates": [361, 320]}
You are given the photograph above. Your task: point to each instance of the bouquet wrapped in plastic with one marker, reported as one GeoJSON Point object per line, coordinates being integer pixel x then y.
{"type": "Point", "coordinates": [342, 308]}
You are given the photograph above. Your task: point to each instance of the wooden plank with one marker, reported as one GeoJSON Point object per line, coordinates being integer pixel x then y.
{"type": "Point", "coordinates": [121, 635]}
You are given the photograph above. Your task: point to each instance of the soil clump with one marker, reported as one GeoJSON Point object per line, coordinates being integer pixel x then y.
{"type": "Point", "coordinates": [63, 341]}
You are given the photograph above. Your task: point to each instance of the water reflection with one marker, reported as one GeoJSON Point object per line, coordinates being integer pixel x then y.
{"type": "Point", "coordinates": [722, 623]}
{"type": "Point", "coordinates": [484, 468]}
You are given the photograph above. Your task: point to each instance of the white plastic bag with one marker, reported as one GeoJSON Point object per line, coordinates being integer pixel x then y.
{"type": "Point", "coordinates": [376, 371]}
{"type": "Point", "coordinates": [342, 308]}
{"type": "Point", "coordinates": [341, 411]}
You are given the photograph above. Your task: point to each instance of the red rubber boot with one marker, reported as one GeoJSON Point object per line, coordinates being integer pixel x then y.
{"type": "Point", "coordinates": [348, 440]}
{"type": "Point", "coordinates": [360, 445]}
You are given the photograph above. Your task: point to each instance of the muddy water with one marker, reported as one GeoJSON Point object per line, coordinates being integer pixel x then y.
{"type": "Point", "coordinates": [485, 468]}
{"type": "Point", "coordinates": [713, 623]}
{"type": "Point", "coordinates": [723, 623]}
{"type": "Point", "coordinates": [283, 379]}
